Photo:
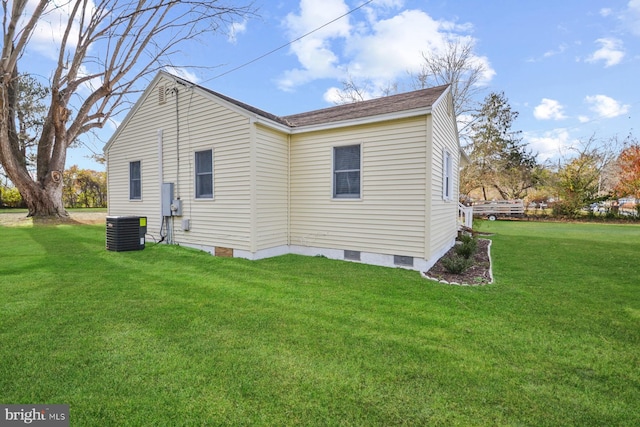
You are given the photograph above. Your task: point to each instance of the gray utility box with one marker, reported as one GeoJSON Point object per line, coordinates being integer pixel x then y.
{"type": "Point", "coordinates": [170, 206]}
{"type": "Point", "coordinates": [126, 233]}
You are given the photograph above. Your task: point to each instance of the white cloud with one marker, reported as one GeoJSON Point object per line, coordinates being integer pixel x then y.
{"type": "Point", "coordinates": [631, 17]}
{"type": "Point", "coordinates": [557, 51]}
{"type": "Point", "coordinates": [314, 51]}
{"type": "Point", "coordinates": [377, 49]}
{"type": "Point", "coordinates": [334, 95]}
{"type": "Point", "coordinates": [331, 95]}
{"type": "Point", "coordinates": [235, 29]}
{"type": "Point", "coordinates": [549, 144]}
{"type": "Point", "coordinates": [605, 106]}
{"type": "Point", "coordinates": [549, 109]}
{"type": "Point", "coordinates": [49, 31]}
{"type": "Point", "coordinates": [605, 11]}
{"type": "Point", "coordinates": [611, 52]}
{"type": "Point", "coordinates": [392, 46]}
{"type": "Point", "coordinates": [583, 119]}
{"type": "Point", "coordinates": [182, 73]}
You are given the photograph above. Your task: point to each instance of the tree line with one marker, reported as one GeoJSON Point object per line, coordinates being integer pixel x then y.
{"type": "Point", "coordinates": [107, 51]}
{"type": "Point", "coordinates": [82, 188]}
{"type": "Point", "coordinates": [502, 166]}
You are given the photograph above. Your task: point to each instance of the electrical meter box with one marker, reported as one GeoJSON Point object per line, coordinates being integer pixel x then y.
{"type": "Point", "coordinates": [166, 198]}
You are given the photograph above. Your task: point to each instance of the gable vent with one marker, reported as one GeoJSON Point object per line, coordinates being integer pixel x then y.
{"type": "Point", "coordinates": [162, 95]}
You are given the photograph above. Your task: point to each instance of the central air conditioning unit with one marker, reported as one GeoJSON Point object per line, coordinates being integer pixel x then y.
{"type": "Point", "coordinates": [126, 233]}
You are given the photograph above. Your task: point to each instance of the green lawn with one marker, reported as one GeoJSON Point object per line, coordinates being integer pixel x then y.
{"type": "Point", "coordinates": [170, 336]}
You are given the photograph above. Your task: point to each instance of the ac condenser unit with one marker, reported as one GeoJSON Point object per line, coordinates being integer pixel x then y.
{"type": "Point", "coordinates": [126, 233]}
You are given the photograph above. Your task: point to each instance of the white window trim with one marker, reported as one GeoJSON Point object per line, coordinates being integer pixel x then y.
{"type": "Point", "coordinates": [447, 175]}
{"type": "Point", "coordinates": [195, 176]}
{"type": "Point", "coordinates": [139, 199]}
{"type": "Point", "coordinates": [333, 173]}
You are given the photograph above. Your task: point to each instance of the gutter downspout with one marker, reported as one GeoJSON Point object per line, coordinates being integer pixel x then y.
{"type": "Point", "coordinates": [253, 195]}
{"type": "Point", "coordinates": [289, 191]}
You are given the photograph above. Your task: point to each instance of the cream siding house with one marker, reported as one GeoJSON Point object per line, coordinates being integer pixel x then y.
{"type": "Point", "coordinates": [373, 182]}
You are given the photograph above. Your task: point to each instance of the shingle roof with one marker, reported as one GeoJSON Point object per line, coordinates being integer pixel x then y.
{"type": "Point", "coordinates": [418, 99]}
{"type": "Point", "coordinates": [248, 107]}
{"type": "Point", "coordinates": [414, 100]}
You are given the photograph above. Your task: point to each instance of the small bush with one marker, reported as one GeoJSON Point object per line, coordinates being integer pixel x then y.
{"type": "Point", "coordinates": [566, 209]}
{"type": "Point", "coordinates": [468, 246]}
{"type": "Point", "coordinates": [10, 197]}
{"type": "Point", "coordinates": [456, 264]}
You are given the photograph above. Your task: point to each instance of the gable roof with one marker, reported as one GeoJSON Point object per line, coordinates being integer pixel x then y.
{"type": "Point", "coordinates": [393, 106]}
{"type": "Point", "coordinates": [408, 101]}
{"type": "Point", "coordinates": [419, 99]}
{"type": "Point", "coordinates": [247, 107]}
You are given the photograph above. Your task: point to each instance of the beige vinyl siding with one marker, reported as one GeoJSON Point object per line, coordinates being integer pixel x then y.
{"type": "Point", "coordinates": [224, 220]}
{"type": "Point", "coordinates": [137, 141]}
{"type": "Point", "coordinates": [272, 188]}
{"type": "Point", "coordinates": [443, 216]}
{"type": "Point", "coordinates": [389, 217]}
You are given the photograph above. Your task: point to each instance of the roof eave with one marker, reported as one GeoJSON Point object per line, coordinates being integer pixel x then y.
{"type": "Point", "coordinates": [361, 121]}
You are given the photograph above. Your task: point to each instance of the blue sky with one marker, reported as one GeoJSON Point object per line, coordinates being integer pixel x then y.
{"type": "Point", "coordinates": [569, 67]}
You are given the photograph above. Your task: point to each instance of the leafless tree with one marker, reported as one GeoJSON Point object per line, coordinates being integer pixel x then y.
{"type": "Point", "coordinates": [352, 90]}
{"type": "Point", "coordinates": [457, 65]}
{"type": "Point", "coordinates": [357, 90]}
{"type": "Point", "coordinates": [107, 47]}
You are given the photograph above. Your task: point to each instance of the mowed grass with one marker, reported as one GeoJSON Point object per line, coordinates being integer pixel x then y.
{"type": "Point", "coordinates": [169, 336]}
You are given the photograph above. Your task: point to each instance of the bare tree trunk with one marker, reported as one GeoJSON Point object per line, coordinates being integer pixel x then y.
{"type": "Point", "coordinates": [43, 198]}
{"type": "Point", "coordinates": [45, 202]}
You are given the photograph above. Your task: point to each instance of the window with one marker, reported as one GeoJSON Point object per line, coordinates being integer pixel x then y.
{"type": "Point", "coordinates": [346, 172]}
{"type": "Point", "coordinates": [135, 181]}
{"type": "Point", "coordinates": [447, 176]}
{"type": "Point", "coordinates": [204, 174]}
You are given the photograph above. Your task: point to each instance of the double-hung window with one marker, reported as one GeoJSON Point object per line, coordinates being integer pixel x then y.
{"type": "Point", "coordinates": [346, 172]}
{"type": "Point", "coordinates": [135, 181]}
{"type": "Point", "coordinates": [204, 174]}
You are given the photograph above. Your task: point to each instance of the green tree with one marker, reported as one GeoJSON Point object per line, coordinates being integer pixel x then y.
{"type": "Point", "coordinates": [629, 172]}
{"type": "Point", "coordinates": [106, 50]}
{"type": "Point", "coordinates": [84, 188]}
{"type": "Point", "coordinates": [579, 179]}
{"type": "Point", "coordinates": [499, 159]}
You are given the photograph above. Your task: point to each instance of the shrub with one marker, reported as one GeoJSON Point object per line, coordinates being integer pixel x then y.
{"type": "Point", "coordinates": [10, 197]}
{"type": "Point", "coordinates": [566, 209]}
{"type": "Point", "coordinates": [468, 246]}
{"type": "Point", "coordinates": [456, 264]}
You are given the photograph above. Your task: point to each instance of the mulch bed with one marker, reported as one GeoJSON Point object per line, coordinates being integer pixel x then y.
{"type": "Point", "coordinates": [478, 274]}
